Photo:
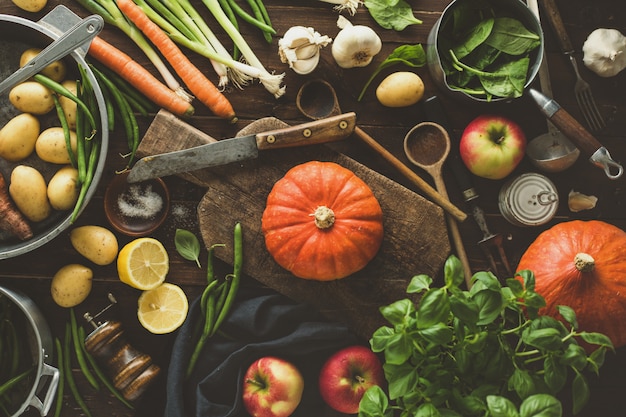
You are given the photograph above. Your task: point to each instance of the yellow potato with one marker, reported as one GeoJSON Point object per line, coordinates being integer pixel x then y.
{"type": "Point", "coordinates": [69, 106]}
{"type": "Point", "coordinates": [56, 70]}
{"type": "Point", "coordinates": [400, 89]}
{"type": "Point", "coordinates": [29, 193]}
{"type": "Point", "coordinates": [96, 243]}
{"type": "Point", "coordinates": [31, 97]}
{"type": "Point", "coordinates": [71, 285]}
{"type": "Point", "coordinates": [63, 188]}
{"type": "Point", "coordinates": [18, 137]}
{"type": "Point", "coordinates": [30, 5]}
{"type": "Point", "coordinates": [51, 146]}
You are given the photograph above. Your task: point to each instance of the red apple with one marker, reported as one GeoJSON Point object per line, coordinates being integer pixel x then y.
{"type": "Point", "coordinates": [272, 387]}
{"type": "Point", "coordinates": [346, 375]}
{"type": "Point", "coordinates": [492, 146]}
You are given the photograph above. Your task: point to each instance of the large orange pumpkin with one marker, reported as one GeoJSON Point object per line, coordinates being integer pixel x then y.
{"type": "Point", "coordinates": [322, 222]}
{"type": "Point", "coordinates": [582, 264]}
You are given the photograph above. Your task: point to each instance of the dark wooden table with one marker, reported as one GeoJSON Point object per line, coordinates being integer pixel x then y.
{"type": "Point", "coordinates": [32, 272]}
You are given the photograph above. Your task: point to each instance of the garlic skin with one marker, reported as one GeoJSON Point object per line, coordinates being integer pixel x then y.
{"type": "Point", "coordinates": [604, 52]}
{"type": "Point", "coordinates": [355, 45]}
{"type": "Point", "coordinates": [578, 202]}
{"type": "Point", "coordinates": [300, 48]}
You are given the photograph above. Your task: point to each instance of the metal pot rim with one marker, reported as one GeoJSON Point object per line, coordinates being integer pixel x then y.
{"type": "Point", "coordinates": [43, 349]}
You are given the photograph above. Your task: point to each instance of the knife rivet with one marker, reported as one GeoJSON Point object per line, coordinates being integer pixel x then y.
{"type": "Point", "coordinates": [343, 124]}
{"type": "Point", "coordinates": [307, 133]}
{"type": "Point", "coordinates": [271, 139]}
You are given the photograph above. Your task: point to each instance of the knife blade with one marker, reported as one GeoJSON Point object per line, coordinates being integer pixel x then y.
{"type": "Point", "coordinates": [226, 151]}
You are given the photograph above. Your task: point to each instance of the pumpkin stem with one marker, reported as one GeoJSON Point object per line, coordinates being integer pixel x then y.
{"type": "Point", "coordinates": [584, 262]}
{"type": "Point", "coordinates": [324, 217]}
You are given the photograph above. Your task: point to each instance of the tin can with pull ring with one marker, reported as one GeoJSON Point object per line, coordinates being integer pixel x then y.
{"type": "Point", "coordinates": [528, 200]}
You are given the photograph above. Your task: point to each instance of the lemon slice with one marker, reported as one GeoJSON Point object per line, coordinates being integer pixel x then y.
{"type": "Point", "coordinates": [163, 309]}
{"type": "Point", "coordinates": [143, 263]}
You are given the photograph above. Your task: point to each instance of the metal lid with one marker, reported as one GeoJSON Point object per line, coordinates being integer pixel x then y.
{"type": "Point", "coordinates": [529, 200]}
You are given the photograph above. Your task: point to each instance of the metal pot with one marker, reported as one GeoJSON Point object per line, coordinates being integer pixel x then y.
{"type": "Point", "coordinates": [515, 8]}
{"type": "Point", "coordinates": [40, 341]}
{"type": "Point", "coordinates": [18, 34]}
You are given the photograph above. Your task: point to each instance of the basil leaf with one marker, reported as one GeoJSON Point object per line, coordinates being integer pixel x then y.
{"type": "Point", "coordinates": [187, 245]}
{"type": "Point", "coordinates": [541, 405]}
{"type": "Point", "coordinates": [374, 403]}
{"type": "Point", "coordinates": [501, 406]}
{"type": "Point", "coordinates": [392, 14]}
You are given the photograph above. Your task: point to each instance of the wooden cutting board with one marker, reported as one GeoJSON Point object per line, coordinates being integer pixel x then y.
{"type": "Point", "coordinates": [415, 240]}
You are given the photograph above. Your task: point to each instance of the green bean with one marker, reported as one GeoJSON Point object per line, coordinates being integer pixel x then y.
{"type": "Point", "coordinates": [4, 388]}
{"type": "Point", "coordinates": [60, 89]}
{"type": "Point", "coordinates": [81, 165]}
{"type": "Point", "coordinates": [258, 14]}
{"type": "Point", "coordinates": [263, 11]}
{"type": "Point", "coordinates": [82, 363]}
{"type": "Point", "coordinates": [235, 279]}
{"type": "Point", "coordinates": [251, 19]}
{"type": "Point", "coordinates": [66, 129]}
{"type": "Point", "coordinates": [71, 382]}
{"type": "Point", "coordinates": [128, 118]}
{"type": "Point", "coordinates": [61, 386]}
{"type": "Point", "coordinates": [101, 375]}
{"type": "Point", "coordinates": [91, 167]}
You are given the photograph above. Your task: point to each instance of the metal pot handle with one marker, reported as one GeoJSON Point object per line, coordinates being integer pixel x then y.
{"type": "Point", "coordinates": [44, 406]}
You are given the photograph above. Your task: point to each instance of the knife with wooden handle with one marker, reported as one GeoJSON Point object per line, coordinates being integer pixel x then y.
{"type": "Point", "coordinates": [225, 151]}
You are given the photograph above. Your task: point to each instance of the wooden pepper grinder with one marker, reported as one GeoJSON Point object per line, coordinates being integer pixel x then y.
{"type": "Point", "coordinates": [131, 371]}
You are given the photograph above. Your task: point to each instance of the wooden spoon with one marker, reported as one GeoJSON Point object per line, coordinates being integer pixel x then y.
{"type": "Point", "coordinates": [427, 146]}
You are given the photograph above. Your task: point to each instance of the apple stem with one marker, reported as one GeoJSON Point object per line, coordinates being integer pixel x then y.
{"type": "Point", "coordinates": [359, 379]}
{"type": "Point", "coordinates": [255, 382]}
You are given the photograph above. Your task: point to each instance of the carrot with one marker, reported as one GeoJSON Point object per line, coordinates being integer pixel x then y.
{"type": "Point", "coordinates": [11, 219]}
{"type": "Point", "coordinates": [139, 77]}
{"type": "Point", "coordinates": [204, 90]}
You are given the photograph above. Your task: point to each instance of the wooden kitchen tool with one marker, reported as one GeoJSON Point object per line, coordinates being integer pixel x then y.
{"type": "Point", "coordinates": [415, 236]}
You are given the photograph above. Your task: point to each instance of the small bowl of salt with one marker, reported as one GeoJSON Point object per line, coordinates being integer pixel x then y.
{"type": "Point", "coordinates": [136, 209]}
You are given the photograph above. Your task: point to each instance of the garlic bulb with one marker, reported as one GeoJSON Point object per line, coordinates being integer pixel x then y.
{"type": "Point", "coordinates": [355, 45]}
{"type": "Point", "coordinates": [300, 48]}
{"type": "Point", "coordinates": [604, 52]}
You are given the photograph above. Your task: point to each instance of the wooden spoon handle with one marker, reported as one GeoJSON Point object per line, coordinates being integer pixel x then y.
{"type": "Point", "coordinates": [443, 202]}
{"type": "Point", "coordinates": [554, 17]}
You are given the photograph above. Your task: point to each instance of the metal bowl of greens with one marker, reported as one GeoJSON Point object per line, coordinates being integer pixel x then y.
{"type": "Point", "coordinates": [17, 35]}
{"type": "Point", "coordinates": [485, 50]}
{"type": "Point", "coordinates": [25, 363]}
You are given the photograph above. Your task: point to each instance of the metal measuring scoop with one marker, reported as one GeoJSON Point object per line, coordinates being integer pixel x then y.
{"type": "Point", "coordinates": [77, 35]}
{"type": "Point", "coordinates": [317, 99]}
{"type": "Point", "coordinates": [427, 146]}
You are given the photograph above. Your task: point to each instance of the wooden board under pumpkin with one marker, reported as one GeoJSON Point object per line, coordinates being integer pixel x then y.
{"type": "Point", "coordinates": [415, 239]}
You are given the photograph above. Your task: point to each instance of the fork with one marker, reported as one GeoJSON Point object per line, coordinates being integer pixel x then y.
{"type": "Point", "coordinates": [582, 90]}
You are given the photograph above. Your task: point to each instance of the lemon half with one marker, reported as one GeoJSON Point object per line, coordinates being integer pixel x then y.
{"type": "Point", "coordinates": [143, 263]}
{"type": "Point", "coordinates": [163, 309]}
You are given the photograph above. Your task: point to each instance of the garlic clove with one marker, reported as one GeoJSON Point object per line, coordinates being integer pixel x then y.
{"type": "Point", "coordinates": [306, 66]}
{"type": "Point", "coordinates": [578, 202]}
